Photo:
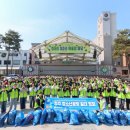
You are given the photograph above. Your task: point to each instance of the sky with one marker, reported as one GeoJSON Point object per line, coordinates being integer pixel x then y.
{"type": "Point", "coordinates": [40, 20]}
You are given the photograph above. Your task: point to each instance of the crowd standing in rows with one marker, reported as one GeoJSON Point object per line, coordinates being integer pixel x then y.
{"type": "Point", "coordinates": [37, 89]}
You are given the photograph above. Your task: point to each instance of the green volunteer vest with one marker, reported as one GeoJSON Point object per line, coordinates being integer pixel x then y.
{"type": "Point", "coordinates": [3, 96]}
{"type": "Point", "coordinates": [112, 93]}
{"type": "Point", "coordinates": [105, 93]}
{"type": "Point", "coordinates": [74, 92]}
{"type": "Point", "coordinates": [67, 93]}
{"type": "Point", "coordinates": [23, 94]}
{"type": "Point", "coordinates": [60, 94]}
{"type": "Point", "coordinates": [90, 94]}
{"type": "Point", "coordinates": [96, 94]}
{"type": "Point", "coordinates": [39, 91]}
{"type": "Point", "coordinates": [54, 91]}
{"type": "Point", "coordinates": [128, 95]}
{"type": "Point", "coordinates": [32, 93]}
{"type": "Point", "coordinates": [36, 105]}
{"type": "Point", "coordinates": [47, 91]}
{"type": "Point", "coordinates": [82, 93]}
{"type": "Point", "coordinates": [14, 93]}
{"type": "Point", "coordinates": [121, 95]}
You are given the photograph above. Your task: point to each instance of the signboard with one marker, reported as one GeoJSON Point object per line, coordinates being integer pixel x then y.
{"type": "Point", "coordinates": [72, 103]}
{"type": "Point", "coordinates": [67, 47]}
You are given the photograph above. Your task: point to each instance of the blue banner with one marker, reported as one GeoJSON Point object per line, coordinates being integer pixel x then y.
{"type": "Point", "coordinates": [72, 103]}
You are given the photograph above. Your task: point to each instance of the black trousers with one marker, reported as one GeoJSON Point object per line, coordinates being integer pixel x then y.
{"type": "Point", "coordinates": [107, 100]}
{"type": "Point", "coordinates": [128, 104]}
{"type": "Point", "coordinates": [32, 101]}
{"type": "Point", "coordinates": [22, 103]}
{"type": "Point", "coordinates": [3, 107]}
{"type": "Point", "coordinates": [121, 103]}
{"type": "Point", "coordinates": [113, 102]}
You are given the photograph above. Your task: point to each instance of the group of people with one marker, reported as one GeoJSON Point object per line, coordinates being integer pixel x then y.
{"type": "Point", "coordinates": [36, 89]}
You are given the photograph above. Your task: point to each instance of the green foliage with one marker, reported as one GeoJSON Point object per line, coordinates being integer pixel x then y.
{"type": "Point", "coordinates": [12, 40]}
{"type": "Point", "coordinates": [121, 43]}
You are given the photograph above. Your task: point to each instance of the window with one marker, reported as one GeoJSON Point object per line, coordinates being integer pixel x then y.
{"type": "Point", "coordinates": [0, 62]}
{"type": "Point", "coordinates": [16, 62]}
{"type": "Point", "coordinates": [37, 62]}
{"type": "Point", "coordinates": [7, 62]}
{"type": "Point", "coordinates": [118, 63]}
{"type": "Point", "coordinates": [25, 54]}
{"type": "Point", "coordinates": [24, 62]}
{"type": "Point", "coordinates": [13, 54]}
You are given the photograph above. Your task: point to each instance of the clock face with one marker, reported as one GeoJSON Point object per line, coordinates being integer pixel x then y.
{"type": "Point", "coordinates": [30, 69]}
{"type": "Point", "coordinates": [105, 17]}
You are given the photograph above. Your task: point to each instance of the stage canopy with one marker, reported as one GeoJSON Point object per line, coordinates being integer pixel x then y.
{"type": "Point", "coordinates": [67, 47]}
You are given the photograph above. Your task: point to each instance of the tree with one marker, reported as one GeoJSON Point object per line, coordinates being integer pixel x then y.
{"type": "Point", "coordinates": [11, 42]}
{"type": "Point", "coordinates": [121, 45]}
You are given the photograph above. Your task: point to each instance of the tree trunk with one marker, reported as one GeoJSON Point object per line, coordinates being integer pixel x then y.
{"type": "Point", "coordinates": [7, 63]}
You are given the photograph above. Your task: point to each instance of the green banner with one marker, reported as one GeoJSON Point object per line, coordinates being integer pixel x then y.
{"type": "Point", "coordinates": [67, 47]}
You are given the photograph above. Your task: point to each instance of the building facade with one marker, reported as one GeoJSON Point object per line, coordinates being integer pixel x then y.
{"type": "Point", "coordinates": [106, 33]}
{"type": "Point", "coordinates": [15, 62]}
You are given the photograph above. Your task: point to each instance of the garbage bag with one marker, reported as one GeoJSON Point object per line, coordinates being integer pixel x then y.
{"type": "Point", "coordinates": [37, 116]}
{"type": "Point", "coordinates": [43, 117]}
{"type": "Point", "coordinates": [28, 119]}
{"type": "Point", "coordinates": [115, 116]}
{"type": "Point", "coordinates": [11, 117]}
{"type": "Point", "coordinates": [101, 117]}
{"type": "Point", "coordinates": [66, 115]}
{"type": "Point", "coordinates": [93, 117]}
{"type": "Point", "coordinates": [74, 118]}
{"type": "Point", "coordinates": [19, 118]}
{"type": "Point", "coordinates": [128, 117]}
{"type": "Point", "coordinates": [2, 119]}
{"type": "Point", "coordinates": [58, 117]}
{"type": "Point", "coordinates": [86, 114]}
{"type": "Point", "coordinates": [122, 118]}
{"type": "Point", "coordinates": [50, 116]}
{"type": "Point", "coordinates": [108, 117]}
{"type": "Point", "coordinates": [81, 116]}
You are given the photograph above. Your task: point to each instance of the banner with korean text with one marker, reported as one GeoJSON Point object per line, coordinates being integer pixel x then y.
{"type": "Point", "coordinates": [72, 103]}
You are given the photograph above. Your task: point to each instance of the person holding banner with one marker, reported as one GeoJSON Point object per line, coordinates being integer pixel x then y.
{"type": "Point", "coordinates": [102, 103]}
{"type": "Point", "coordinates": [39, 102]}
{"type": "Point", "coordinates": [90, 91]}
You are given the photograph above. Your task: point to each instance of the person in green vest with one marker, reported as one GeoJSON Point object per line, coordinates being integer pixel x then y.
{"type": "Point", "coordinates": [102, 103]}
{"type": "Point", "coordinates": [66, 91]}
{"type": "Point", "coordinates": [121, 96]}
{"type": "Point", "coordinates": [82, 91]}
{"type": "Point", "coordinates": [89, 91]}
{"type": "Point", "coordinates": [105, 92]}
{"type": "Point", "coordinates": [96, 92]}
{"type": "Point", "coordinates": [113, 95]}
{"type": "Point", "coordinates": [60, 93]}
{"type": "Point", "coordinates": [39, 102]}
{"type": "Point", "coordinates": [47, 90]}
{"type": "Point", "coordinates": [54, 89]}
{"type": "Point", "coordinates": [40, 88]}
{"type": "Point", "coordinates": [32, 95]}
{"type": "Point", "coordinates": [128, 97]}
{"type": "Point", "coordinates": [3, 99]}
{"type": "Point", "coordinates": [23, 96]}
{"type": "Point", "coordinates": [14, 95]}
{"type": "Point", "coordinates": [74, 91]}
